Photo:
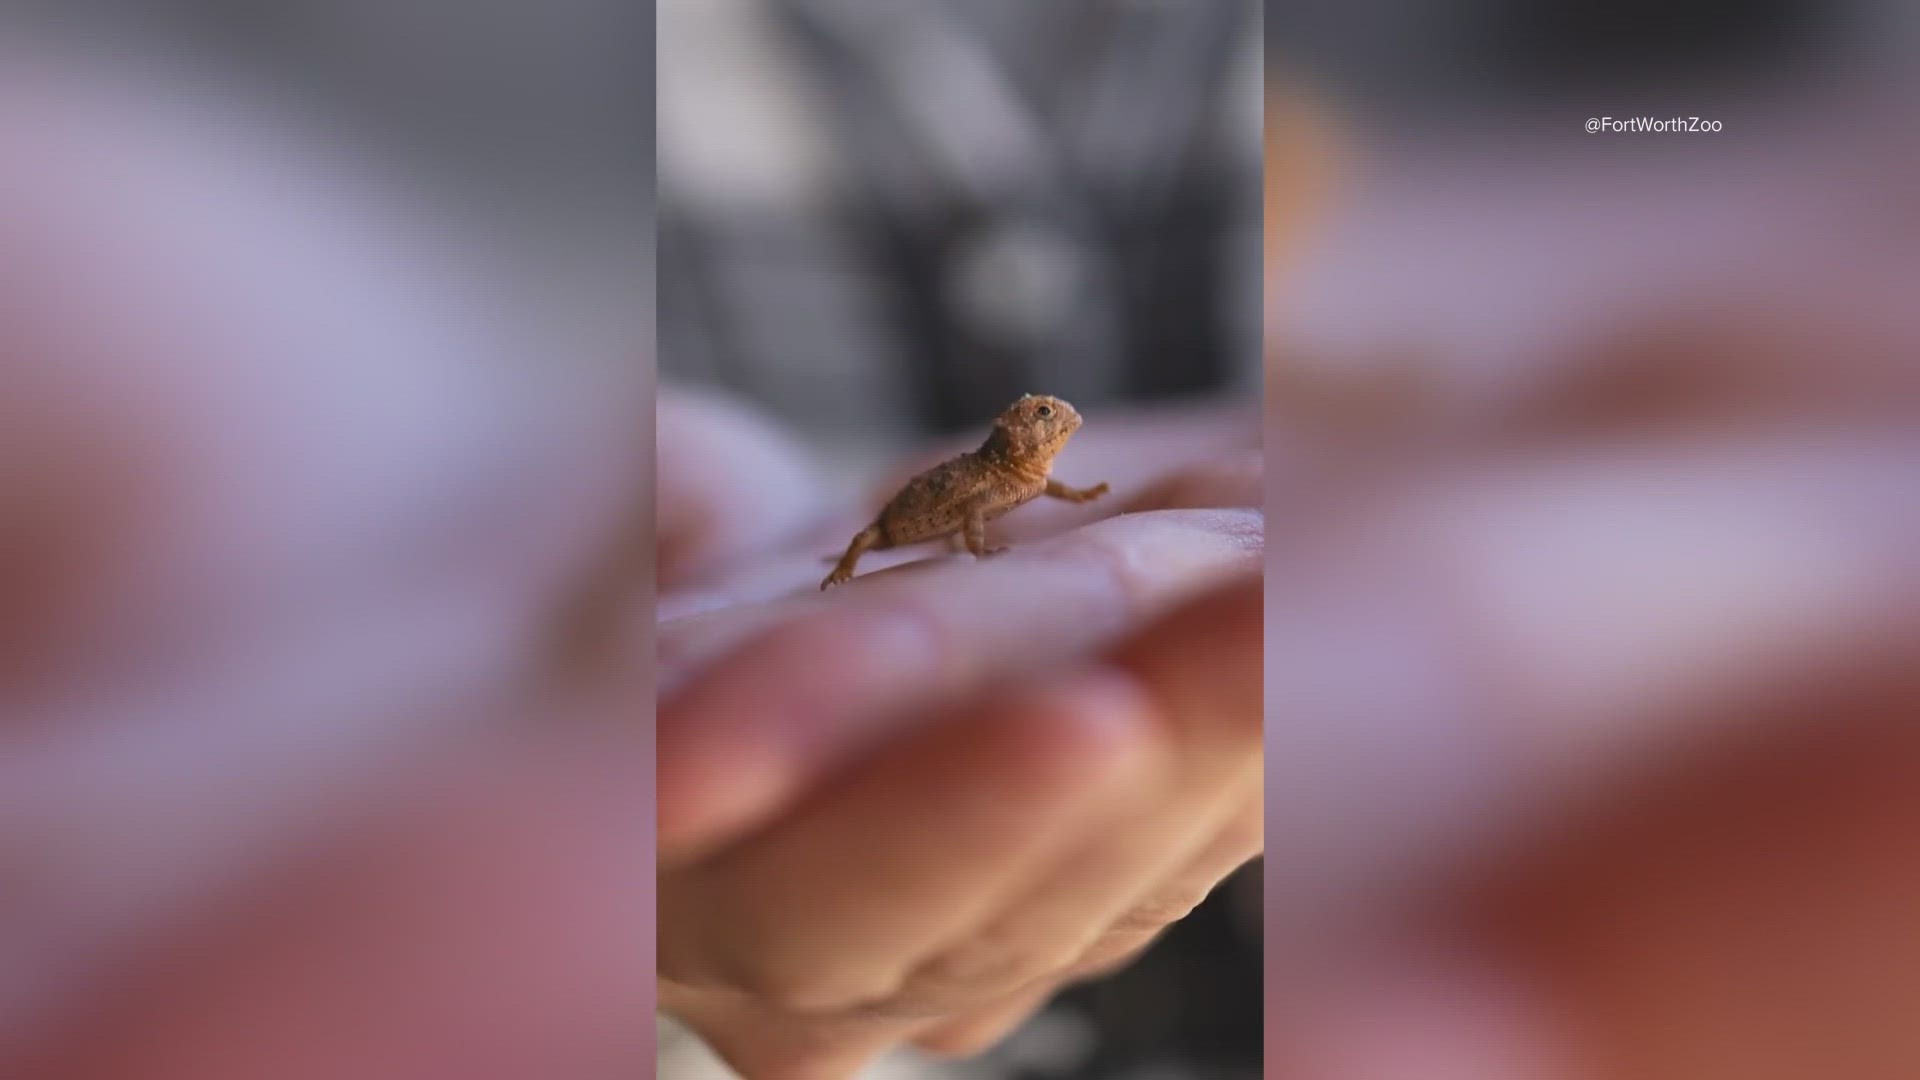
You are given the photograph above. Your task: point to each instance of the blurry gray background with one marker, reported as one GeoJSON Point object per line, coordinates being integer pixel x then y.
{"type": "Point", "coordinates": [881, 219]}
{"type": "Point", "coordinates": [1477, 224]}
{"type": "Point", "coordinates": [1404, 62]}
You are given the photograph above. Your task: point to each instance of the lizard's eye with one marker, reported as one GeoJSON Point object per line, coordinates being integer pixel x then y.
{"type": "Point", "coordinates": [1044, 411]}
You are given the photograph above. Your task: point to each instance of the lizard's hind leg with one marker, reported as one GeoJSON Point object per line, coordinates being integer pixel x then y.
{"type": "Point", "coordinates": [843, 570]}
{"type": "Point", "coordinates": [975, 533]}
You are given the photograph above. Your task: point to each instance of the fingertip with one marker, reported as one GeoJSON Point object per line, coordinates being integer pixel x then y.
{"type": "Point", "coordinates": [707, 793]}
{"type": "Point", "coordinates": [750, 732]}
{"type": "Point", "coordinates": [1203, 663]}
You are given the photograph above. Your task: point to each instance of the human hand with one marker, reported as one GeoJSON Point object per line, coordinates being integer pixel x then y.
{"type": "Point", "coordinates": [767, 524]}
{"type": "Point", "coordinates": [912, 808]}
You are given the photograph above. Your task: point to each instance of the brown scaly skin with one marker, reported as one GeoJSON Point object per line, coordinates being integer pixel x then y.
{"type": "Point", "coordinates": [958, 497]}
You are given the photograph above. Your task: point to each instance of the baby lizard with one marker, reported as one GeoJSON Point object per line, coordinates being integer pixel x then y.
{"type": "Point", "coordinates": [959, 496]}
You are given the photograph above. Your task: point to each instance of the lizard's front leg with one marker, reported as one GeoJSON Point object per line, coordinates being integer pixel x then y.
{"type": "Point", "coordinates": [975, 533]}
{"type": "Point", "coordinates": [1058, 490]}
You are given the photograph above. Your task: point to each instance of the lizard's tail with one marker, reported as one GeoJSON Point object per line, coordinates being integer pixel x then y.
{"type": "Point", "coordinates": [953, 541]}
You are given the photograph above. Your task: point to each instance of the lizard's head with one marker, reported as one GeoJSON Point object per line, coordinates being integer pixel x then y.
{"type": "Point", "coordinates": [1038, 424]}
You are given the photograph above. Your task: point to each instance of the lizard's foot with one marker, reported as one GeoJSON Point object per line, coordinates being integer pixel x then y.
{"type": "Point", "coordinates": [1093, 492]}
{"type": "Point", "coordinates": [840, 576]}
{"type": "Point", "coordinates": [986, 552]}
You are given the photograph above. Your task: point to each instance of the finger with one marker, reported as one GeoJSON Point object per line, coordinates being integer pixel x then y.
{"type": "Point", "coordinates": [828, 910]}
{"type": "Point", "coordinates": [743, 734]}
{"type": "Point", "coordinates": [1161, 546]}
{"type": "Point", "coordinates": [978, 1031]}
{"type": "Point", "coordinates": [1238, 842]}
{"type": "Point", "coordinates": [730, 485]}
{"type": "Point", "coordinates": [1228, 480]}
{"type": "Point", "coordinates": [1139, 865]}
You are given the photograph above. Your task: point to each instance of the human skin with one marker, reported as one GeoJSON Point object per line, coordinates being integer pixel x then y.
{"type": "Point", "coordinates": [808, 747]}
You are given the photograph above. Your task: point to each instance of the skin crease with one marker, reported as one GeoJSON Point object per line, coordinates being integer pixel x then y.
{"type": "Point", "coordinates": [958, 497]}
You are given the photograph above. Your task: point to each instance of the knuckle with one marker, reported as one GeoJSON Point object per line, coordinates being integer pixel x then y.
{"type": "Point", "coordinates": [975, 973]}
{"type": "Point", "coordinates": [1158, 912]}
{"type": "Point", "coordinates": [810, 989]}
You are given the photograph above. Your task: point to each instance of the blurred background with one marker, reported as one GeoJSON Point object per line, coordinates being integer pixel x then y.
{"type": "Point", "coordinates": [1467, 284]}
{"type": "Point", "coordinates": [1414, 59]}
{"type": "Point", "coordinates": [885, 220]}
{"type": "Point", "coordinates": [524, 128]}
{"type": "Point", "coordinates": [323, 328]}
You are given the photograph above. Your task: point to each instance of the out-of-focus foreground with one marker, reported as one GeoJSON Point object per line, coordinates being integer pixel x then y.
{"type": "Point", "coordinates": [317, 423]}
{"type": "Point", "coordinates": [1592, 579]}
